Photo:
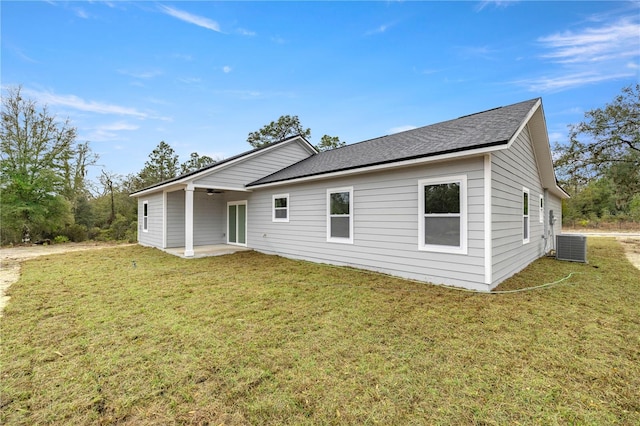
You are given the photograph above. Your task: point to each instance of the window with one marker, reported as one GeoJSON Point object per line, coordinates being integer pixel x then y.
{"type": "Point", "coordinates": [340, 215]}
{"type": "Point", "coordinates": [541, 208]}
{"type": "Point", "coordinates": [442, 214]}
{"type": "Point", "coordinates": [281, 208]}
{"type": "Point", "coordinates": [525, 215]}
{"type": "Point", "coordinates": [145, 216]}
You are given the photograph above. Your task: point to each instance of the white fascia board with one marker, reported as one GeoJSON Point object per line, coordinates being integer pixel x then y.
{"type": "Point", "coordinates": [524, 123]}
{"type": "Point", "coordinates": [223, 188]}
{"type": "Point", "coordinates": [388, 166]}
{"type": "Point", "coordinates": [189, 179]}
{"type": "Point", "coordinates": [542, 149]}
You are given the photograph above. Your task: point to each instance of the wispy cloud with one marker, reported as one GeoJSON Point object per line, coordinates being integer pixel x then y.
{"type": "Point", "coordinates": [190, 80]}
{"type": "Point", "coordinates": [483, 52]}
{"type": "Point", "coordinates": [226, 69]}
{"type": "Point", "coordinates": [588, 56]}
{"type": "Point", "coordinates": [81, 13]}
{"type": "Point", "coordinates": [141, 74]}
{"type": "Point", "coordinates": [20, 54]}
{"type": "Point", "coordinates": [569, 81]}
{"type": "Point", "coordinates": [200, 21]}
{"type": "Point", "coordinates": [75, 102]}
{"type": "Point", "coordinates": [245, 32]}
{"type": "Point", "coordinates": [255, 94]}
{"type": "Point", "coordinates": [495, 3]}
{"type": "Point", "coordinates": [401, 129]}
{"type": "Point", "coordinates": [616, 40]}
{"type": "Point", "coordinates": [108, 132]}
{"type": "Point", "coordinates": [380, 29]}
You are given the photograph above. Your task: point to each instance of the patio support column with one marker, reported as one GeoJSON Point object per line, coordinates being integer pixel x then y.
{"type": "Point", "coordinates": [188, 221]}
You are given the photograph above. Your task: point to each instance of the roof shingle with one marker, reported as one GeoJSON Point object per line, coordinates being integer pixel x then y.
{"type": "Point", "coordinates": [483, 129]}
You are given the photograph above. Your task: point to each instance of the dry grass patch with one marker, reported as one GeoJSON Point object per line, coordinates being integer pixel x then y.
{"type": "Point", "coordinates": [89, 338]}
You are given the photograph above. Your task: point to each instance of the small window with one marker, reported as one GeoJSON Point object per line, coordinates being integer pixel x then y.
{"type": "Point", "coordinates": [525, 215]}
{"type": "Point", "coordinates": [281, 208]}
{"type": "Point", "coordinates": [442, 215]}
{"type": "Point", "coordinates": [145, 216]}
{"type": "Point", "coordinates": [340, 215]}
{"type": "Point", "coordinates": [541, 209]}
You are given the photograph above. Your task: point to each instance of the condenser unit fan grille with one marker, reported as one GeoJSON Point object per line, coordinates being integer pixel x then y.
{"type": "Point", "coordinates": [571, 247]}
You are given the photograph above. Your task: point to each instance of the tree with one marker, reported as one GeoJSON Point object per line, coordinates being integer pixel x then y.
{"type": "Point", "coordinates": [38, 165]}
{"type": "Point", "coordinates": [276, 131]}
{"type": "Point", "coordinates": [609, 137]}
{"type": "Point", "coordinates": [329, 142]}
{"type": "Point", "coordinates": [162, 165]}
{"type": "Point", "coordinates": [195, 162]}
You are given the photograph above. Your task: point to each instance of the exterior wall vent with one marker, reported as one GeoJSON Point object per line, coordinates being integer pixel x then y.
{"type": "Point", "coordinates": [571, 247]}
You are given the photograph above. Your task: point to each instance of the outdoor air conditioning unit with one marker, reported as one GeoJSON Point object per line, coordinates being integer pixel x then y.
{"type": "Point", "coordinates": [571, 247]}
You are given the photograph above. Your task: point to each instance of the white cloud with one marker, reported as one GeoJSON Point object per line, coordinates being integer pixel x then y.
{"type": "Point", "coordinates": [569, 81]}
{"type": "Point", "coordinates": [616, 40]}
{"type": "Point", "coordinates": [244, 32]}
{"type": "Point", "coordinates": [226, 69]}
{"type": "Point", "coordinates": [190, 80]}
{"type": "Point", "coordinates": [119, 125]}
{"type": "Point", "coordinates": [200, 21]}
{"type": "Point", "coordinates": [380, 29]}
{"type": "Point", "coordinates": [588, 56]}
{"type": "Point", "coordinates": [78, 103]}
{"type": "Point", "coordinates": [496, 3]}
{"type": "Point", "coordinates": [108, 132]}
{"type": "Point", "coordinates": [401, 129]}
{"type": "Point", "coordinates": [81, 13]}
{"type": "Point", "coordinates": [141, 74]}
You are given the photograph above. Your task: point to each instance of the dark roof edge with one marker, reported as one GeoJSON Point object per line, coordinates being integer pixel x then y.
{"type": "Point", "coordinates": [415, 157]}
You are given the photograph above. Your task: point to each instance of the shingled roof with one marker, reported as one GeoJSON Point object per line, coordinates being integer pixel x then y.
{"type": "Point", "coordinates": [484, 129]}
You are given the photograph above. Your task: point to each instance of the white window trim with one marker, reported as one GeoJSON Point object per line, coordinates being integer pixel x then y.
{"type": "Point", "coordinates": [462, 248]}
{"type": "Point", "coordinates": [541, 207]}
{"type": "Point", "coordinates": [145, 218]}
{"type": "Point", "coordinates": [273, 208]}
{"type": "Point", "coordinates": [331, 239]}
{"type": "Point", "coordinates": [528, 237]}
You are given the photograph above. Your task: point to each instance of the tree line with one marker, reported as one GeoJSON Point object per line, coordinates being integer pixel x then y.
{"type": "Point", "coordinates": [600, 166]}
{"type": "Point", "coordinates": [45, 193]}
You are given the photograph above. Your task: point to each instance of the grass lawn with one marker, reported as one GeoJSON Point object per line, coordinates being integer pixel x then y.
{"type": "Point", "coordinates": [247, 338]}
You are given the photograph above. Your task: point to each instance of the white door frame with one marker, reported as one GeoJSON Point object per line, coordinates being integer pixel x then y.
{"type": "Point", "coordinates": [246, 216]}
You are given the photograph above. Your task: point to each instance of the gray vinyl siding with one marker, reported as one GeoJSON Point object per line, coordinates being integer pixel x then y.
{"type": "Point", "coordinates": [385, 208]}
{"type": "Point", "coordinates": [175, 219]}
{"type": "Point", "coordinates": [208, 219]}
{"type": "Point", "coordinates": [512, 170]}
{"type": "Point", "coordinates": [153, 235]}
{"type": "Point", "coordinates": [254, 168]}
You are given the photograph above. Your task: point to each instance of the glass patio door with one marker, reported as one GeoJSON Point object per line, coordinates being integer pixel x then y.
{"type": "Point", "coordinates": [237, 223]}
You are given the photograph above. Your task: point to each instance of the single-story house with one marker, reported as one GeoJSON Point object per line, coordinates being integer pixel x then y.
{"type": "Point", "coordinates": [467, 202]}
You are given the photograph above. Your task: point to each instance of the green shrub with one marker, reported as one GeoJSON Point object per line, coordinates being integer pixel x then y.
{"type": "Point", "coordinates": [93, 233]}
{"type": "Point", "coordinates": [76, 232]}
{"type": "Point", "coordinates": [60, 239]}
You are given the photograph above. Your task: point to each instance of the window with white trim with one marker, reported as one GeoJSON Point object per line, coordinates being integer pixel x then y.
{"type": "Point", "coordinates": [525, 215]}
{"type": "Point", "coordinates": [281, 208]}
{"type": "Point", "coordinates": [145, 216]}
{"type": "Point", "coordinates": [340, 215]}
{"type": "Point", "coordinates": [442, 214]}
{"type": "Point", "coordinates": [541, 206]}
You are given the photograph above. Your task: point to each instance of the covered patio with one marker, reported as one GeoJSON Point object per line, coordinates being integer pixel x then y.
{"type": "Point", "coordinates": [206, 251]}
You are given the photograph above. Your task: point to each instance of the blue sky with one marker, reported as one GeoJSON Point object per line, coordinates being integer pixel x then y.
{"type": "Point", "coordinates": [202, 75]}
